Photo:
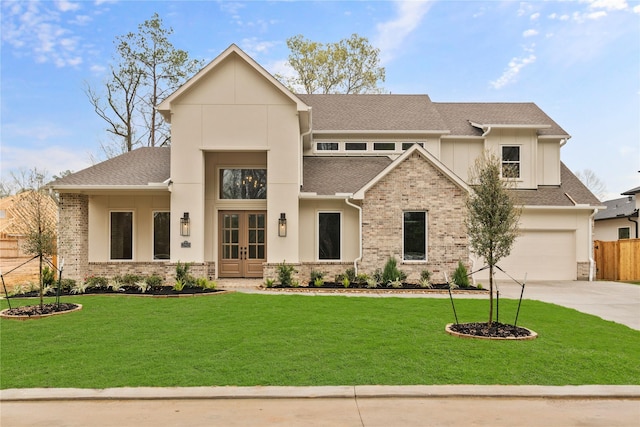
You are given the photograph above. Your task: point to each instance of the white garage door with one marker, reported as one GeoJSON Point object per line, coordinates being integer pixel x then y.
{"type": "Point", "coordinates": [543, 255]}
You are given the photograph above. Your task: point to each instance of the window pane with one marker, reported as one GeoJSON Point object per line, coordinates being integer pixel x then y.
{"type": "Point", "coordinates": [327, 146]}
{"type": "Point", "coordinates": [407, 145]}
{"type": "Point", "coordinates": [355, 146]}
{"type": "Point", "coordinates": [121, 235]}
{"type": "Point", "coordinates": [623, 233]}
{"type": "Point", "coordinates": [329, 235]}
{"type": "Point", "coordinates": [511, 162]}
{"type": "Point", "coordinates": [415, 236]}
{"type": "Point", "coordinates": [243, 183]}
{"type": "Point", "coordinates": [161, 235]}
{"type": "Point", "coordinates": [384, 146]}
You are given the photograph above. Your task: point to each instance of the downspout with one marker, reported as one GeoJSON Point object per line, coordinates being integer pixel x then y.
{"type": "Point", "coordinates": [592, 262]}
{"type": "Point", "coordinates": [357, 260]}
{"type": "Point", "coordinates": [635, 221]}
{"type": "Point", "coordinates": [302, 135]}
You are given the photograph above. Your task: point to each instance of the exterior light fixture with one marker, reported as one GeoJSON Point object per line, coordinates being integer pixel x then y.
{"type": "Point", "coordinates": [282, 225]}
{"type": "Point", "coordinates": [185, 226]}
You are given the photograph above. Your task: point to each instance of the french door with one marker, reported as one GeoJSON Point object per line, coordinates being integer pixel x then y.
{"type": "Point", "coordinates": [242, 243]}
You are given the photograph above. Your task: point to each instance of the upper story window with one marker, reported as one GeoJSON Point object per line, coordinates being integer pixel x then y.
{"type": "Point", "coordinates": [384, 146]}
{"type": "Point", "coordinates": [243, 184]}
{"type": "Point", "coordinates": [510, 161]}
{"type": "Point", "coordinates": [623, 233]}
{"type": "Point", "coordinates": [407, 145]}
{"type": "Point", "coordinates": [355, 146]}
{"type": "Point", "coordinates": [327, 146]}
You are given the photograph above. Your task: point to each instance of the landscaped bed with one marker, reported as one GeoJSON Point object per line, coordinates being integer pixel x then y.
{"type": "Point", "coordinates": [252, 339]}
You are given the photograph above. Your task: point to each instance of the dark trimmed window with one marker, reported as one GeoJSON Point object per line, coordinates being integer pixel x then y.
{"type": "Point", "coordinates": [121, 235]}
{"type": "Point", "coordinates": [414, 236]}
{"type": "Point", "coordinates": [327, 146]}
{"type": "Point", "coordinates": [623, 233]}
{"type": "Point", "coordinates": [161, 235]}
{"type": "Point", "coordinates": [355, 146]}
{"type": "Point", "coordinates": [384, 146]}
{"type": "Point", "coordinates": [510, 161]}
{"type": "Point", "coordinates": [329, 235]}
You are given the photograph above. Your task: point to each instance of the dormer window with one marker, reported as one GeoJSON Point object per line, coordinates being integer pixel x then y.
{"type": "Point", "coordinates": [510, 161]}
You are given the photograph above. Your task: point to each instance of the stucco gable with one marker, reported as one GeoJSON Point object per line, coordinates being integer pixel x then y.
{"type": "Point", "coordinates": [437, 164]}
{"type": "Point", "coordinates": [219, 65]}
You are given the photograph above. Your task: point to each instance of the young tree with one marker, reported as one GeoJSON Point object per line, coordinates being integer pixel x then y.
{"type": "Point", "coordinates": [492, 215]}
{"type": "Point", "coordinates": [592, 182]}
{"type": "Point", "coordinates": [35, 215]}
{"type": "Point", "coordinates": [148, 68]}
{"type": "Point", "coordinates": [349, 66]}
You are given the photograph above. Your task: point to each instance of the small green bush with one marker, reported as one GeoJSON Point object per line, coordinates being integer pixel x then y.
{"type": "Point", "coordinates": [130, 279]}
{"type": "Point", "coordinates": [67, 284]}
{"type": "Point", "coordinates": [391, 271]}
{"type": "Point", "coordinates": [350, 274]}
{"type": "Point", "coordinates": [204, 283]}
{"type": "Point", "coordinates": [345, 281]}
{"type": "Point", "coordinates": [315, 275]}
{"type": "Point", "coordinates": [460, 276]}
{"type": "Point", "coordinates": [268, 282]}
{"type": "Point", "coordinates": [182, 274]}
{"type": "Point", "coordinates": [179, 285]}
{"type": "Point", "coordinates": [285, 273]}
{"type": "Point", "coordinates": [372, 283]}
{"type": "Point", "coordinates": [96, 282]}
{"type": "Point", "coordinates": [48, 276]}
{"type": "Point", "coordinates": [154, 281]}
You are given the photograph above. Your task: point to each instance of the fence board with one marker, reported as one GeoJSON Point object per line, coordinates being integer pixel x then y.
{"type": "Point", "coordinates": [617, 260]}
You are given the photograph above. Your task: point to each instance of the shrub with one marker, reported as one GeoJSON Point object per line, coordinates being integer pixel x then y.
{"type": "Point", "coordinates": [460, 276]}
{"type": "Point", "coordinates": [204, 283]}
{"type": "Point", "coordinates": [142, 286]}
{"type": "Point", "coordinates": [67, 284]}
{"type": "Point", "coordinates": [345, 281]}
{"type": "Point", "coordinates": [285, 273]}
{"type": "Point", "coordinates": [130, 279]}
{"type": "Point", "coordinates": [179, 285]}
{"type": "Point", "coordinates": [317, 275]}
{"type": "Point", "coordinates": [425, 279]}
{"type": "Point", "coordinates": [350, 273]}
{"type": "Point", "coordinates": [377, 275]}
{"type": "Point", "coordinates": [318, 282]}
{"type": "Point", "coordinates": [48, 276]}
{"type": "Point", "coordinates": [391, 271]}
{"type": "Point", "coordinates": [396, 284]}
{"type": "Point", "coordinates": [154, 281]}
{"type": "Point", "coordinates": [372, 283]}
{"type": "Point", "coordinates": [116, 284]}
{"type": "Point", "coordinates": [80, 288]}
{"type": "Point", "coordinates": [96, 282]}
{"type": "Point", "coordinates": [182, 274]}
{"type": "Point", "coordinates": [268, 282]}
{"type": "Point", "coordinates": [362, 278]}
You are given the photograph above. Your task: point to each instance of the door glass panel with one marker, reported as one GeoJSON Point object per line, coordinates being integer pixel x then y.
{"type": "Point", "coordinates": [230, 237]}
{"type": "Point", "coordinates": [255, 236]}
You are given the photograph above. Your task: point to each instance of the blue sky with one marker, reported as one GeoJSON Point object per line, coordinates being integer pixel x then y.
{"type": "Point", "coordinates": [578, 60]}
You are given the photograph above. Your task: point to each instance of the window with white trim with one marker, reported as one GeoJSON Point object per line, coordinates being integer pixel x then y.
{"type": "Point", "coordinates": [121, 235]}
{"type": "Point", "coordinates": [510, 161]}
{"type": "Point", "coordinates": [414, 236]}
{"type": "Point", "coordinates": [161, 235]}
{"type": "Point", "coordinates": [327, 146]}
{"type": "Point", "coordinates": [623, 233]}
{"type": "Point", "coordinates": [329, 235]}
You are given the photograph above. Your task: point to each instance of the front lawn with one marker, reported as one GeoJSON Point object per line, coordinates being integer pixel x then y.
{"type": "Point", "coordinates": [245, 340]}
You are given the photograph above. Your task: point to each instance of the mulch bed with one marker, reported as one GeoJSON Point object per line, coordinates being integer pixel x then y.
{"type": "Point", "coordinates": [494, 330]}
{"type": "Point", "coordinates": [157, 291]}
{"type": "Point", "coordinates": [406, 288]}
{"type": "Point", "coordinates": [38, 311]}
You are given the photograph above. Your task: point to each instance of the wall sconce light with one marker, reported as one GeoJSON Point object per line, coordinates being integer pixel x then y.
{"type": "Point", "coordinates": [282, 225]}
{"type": "Point", "coordinates": [185, 227]}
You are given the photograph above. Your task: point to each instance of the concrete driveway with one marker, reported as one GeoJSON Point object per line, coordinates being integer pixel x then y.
{"type": "Point", "coordinates": [618, 302]}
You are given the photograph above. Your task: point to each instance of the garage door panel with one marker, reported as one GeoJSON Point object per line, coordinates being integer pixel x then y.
{"type": "Point", "coordinates": [543, 255]}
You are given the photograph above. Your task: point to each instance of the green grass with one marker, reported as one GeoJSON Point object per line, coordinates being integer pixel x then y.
{"type": "Point", "coordinates": [240, 339]}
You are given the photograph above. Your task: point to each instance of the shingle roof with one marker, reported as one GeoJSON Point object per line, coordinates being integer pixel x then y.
{"type": "Point", "coordinates": [373, 112]}
{"type": "Point", "coordinates": [331, 175]}
{"type": "Point", "coordinates": [458, 117]}
{"type": "Point", "coordinates": [617, 208]}
{"type": "Point", "coordinates": [632, 191]}
{"type": "Point", "coordinates": [570, 188]}
{"type": "Point", "coordinates": [138, 167]}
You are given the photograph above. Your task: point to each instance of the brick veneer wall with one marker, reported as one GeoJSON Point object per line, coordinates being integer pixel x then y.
{"type": "Point", "coordinates": [73, 235]}
{"type": "Point", "coordinates": [583, 270]}
{"type": "Point", "coordinates": [303, 270]}
{"type": "Point", "coordinates": [415, 184]}
{"type": "Point", "coordinates": [167, 270]}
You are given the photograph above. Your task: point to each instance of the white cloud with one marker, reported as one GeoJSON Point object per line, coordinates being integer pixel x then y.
{"type": "Point", "coordinates": [53, 159]}
{"type": "Point", "coordinates": [35, 29]}
{"type": "Point", "coordinates": [66, 6]}
{"type": "Point", "coordinates": [253, 47]}
{"type": "Point", "coordinates": [608, 4]}
{"type": "Point", "coordinates": [391, 34]}
{"type": "Point", "coordinates": [563, 17]}
{"type": "Point", "coordinates": [535, 16]}
{"type": "Point", "coordinates": [514, 67]}
{"type": "Point", "coordinates": [530, 33]}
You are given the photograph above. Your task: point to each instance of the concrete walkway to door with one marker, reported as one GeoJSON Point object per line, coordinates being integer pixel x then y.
{"type": "Point", "coordinates": [615, 301]}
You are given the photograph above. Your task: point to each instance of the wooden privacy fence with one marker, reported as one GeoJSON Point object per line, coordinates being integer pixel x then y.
{"type": "Point", "coordinates": [617, 260]}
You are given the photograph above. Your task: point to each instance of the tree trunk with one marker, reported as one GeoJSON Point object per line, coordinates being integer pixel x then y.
{"type": "Point", "coordinates": [490, 294]}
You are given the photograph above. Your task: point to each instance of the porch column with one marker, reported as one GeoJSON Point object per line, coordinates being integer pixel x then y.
{"type": "Point", "coordinates": [73, 235]}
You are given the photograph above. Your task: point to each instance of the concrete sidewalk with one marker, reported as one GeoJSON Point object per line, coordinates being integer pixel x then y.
{"type": "Point", "coordinates": [458, 405]}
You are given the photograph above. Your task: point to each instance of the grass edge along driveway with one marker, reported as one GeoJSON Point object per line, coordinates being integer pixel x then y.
{"type": "Point", "coordinates": [292, 340]}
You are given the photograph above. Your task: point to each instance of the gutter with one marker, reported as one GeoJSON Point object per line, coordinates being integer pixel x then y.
{"type": "Point", "coordinates": [357, 260]}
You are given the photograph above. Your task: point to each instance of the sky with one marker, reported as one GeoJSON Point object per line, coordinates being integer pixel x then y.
{"type": "Point", "coordinates": [577, 60]}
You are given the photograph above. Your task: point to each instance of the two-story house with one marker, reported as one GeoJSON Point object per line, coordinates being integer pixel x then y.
{"type": "Point", "coordinates": [257, 175]}
{"type": "Point", "coordinates": [620, 219]}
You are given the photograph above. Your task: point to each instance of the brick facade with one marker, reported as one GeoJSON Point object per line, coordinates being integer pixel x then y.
{"type": "Point", "coordinates": [415, 184]}
{"type": "Point", "coordinates": [73, 235]}
{"type": "Point", "coordinates": [303, 270]}
{"type": "Point", "coordinates": [167, 270]}
{"type": "Point", "coordinates": [583, 270]}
